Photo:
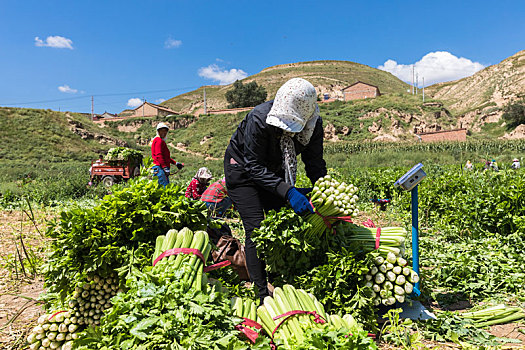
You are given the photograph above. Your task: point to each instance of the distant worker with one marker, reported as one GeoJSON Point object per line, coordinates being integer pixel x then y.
{"type": "Point", "coordinates": [98, 162]}
{"type": "Point", "coordinates": [487, 164]}
{"type": "Point", "coordinates": [515, 164]}
{"type": "Point", "coordinates": [161, 155]}
{"type": "Point", "coordinates": [494, 165]}
{"type": "Point", "coordinates": [199, 183]}
{"type": "Point", "coordinates": [469, 165]}
{"type": "Point", "coordinates": [216, 198]}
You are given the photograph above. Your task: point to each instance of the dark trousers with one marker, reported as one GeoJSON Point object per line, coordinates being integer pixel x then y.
{"type": "Point", "coordinates": [251, 201]}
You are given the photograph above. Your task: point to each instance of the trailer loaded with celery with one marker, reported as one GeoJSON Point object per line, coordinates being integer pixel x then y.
{"type": "Point", "coordinates": [135, 272]}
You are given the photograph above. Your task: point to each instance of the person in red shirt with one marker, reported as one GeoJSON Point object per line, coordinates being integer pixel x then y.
{"type": "Point", "coordinates": [216, 198]}
{"type": "Point", "coordinates": [161, 155]}
{"type": "Point", "coordinates": [198, 184]}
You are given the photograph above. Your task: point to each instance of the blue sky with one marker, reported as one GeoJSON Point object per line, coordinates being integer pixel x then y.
{"type": "Point", "coordinates": [124, 50]}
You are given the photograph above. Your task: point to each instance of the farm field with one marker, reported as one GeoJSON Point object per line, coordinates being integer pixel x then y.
{"type": "Point", "coordinates": [471, 253]}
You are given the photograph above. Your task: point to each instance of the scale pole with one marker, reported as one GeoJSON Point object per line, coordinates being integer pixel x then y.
{"type": "Point", "coordinates": [415, 238]}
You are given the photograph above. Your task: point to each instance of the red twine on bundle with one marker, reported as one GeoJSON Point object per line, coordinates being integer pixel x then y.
{"type": "Point", "coordinates": [370, 224]}
{"type": "Point", "coordinates": [248, 332]}
{"type": "Point", "coordinates": [378, 237]}
{"type": "Point", "coordinates": [198, 253]}
{"type": "Point", "coordinates": [317, 318]}
{"type": "Point", "coordinates": [326, 219]}
{"type": "Point", "coordinates": [56, 313]}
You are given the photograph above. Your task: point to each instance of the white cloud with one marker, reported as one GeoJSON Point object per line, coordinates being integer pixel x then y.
{"type": "Point", "coordinates": [435, 67]}
{"type": "Point", "coordinates": [134, 102]}
{"type": "Point", "coordinates": [160, 100]}
{"type": "Point", "coordinates": [67, 89]}
{"type": "Point", "coordinates": [223, 76]}
{"type": "Point", "coordinates": [58, 42]}
{"type": "Point", "coordinates": [172, 43]}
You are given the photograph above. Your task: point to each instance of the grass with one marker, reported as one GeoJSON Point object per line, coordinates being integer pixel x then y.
{"type": "Point", "coordinates": [39, 136]}
{"type": "Point", "coordinates": [352, 114]}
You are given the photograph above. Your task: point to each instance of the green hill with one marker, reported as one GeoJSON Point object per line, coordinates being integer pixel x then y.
{"type": "Point", "coordinates": [327, 76]}
{"type": "Point", "coordinates": [37, 135]}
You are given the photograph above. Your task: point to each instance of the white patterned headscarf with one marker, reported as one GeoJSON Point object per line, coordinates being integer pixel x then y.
{"type": "Point", "coordinates": [203, 174]}
{"type": "Point", "coordinates": [294, 110]}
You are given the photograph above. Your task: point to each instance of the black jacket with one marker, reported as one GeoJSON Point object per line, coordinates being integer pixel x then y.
{"type": "Point", "coordinates": [255, 146]}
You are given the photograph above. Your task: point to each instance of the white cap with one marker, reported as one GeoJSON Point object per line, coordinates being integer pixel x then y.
{"type": "Point", "coordinates": [162, 125]}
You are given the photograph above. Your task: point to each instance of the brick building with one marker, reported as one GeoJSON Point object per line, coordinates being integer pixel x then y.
{"type": "Point", "coordinates": [148, 109]}
{"type": "Point", "coordinates": [108, 115]}
{"type": "Point", "coordinates": [444, 135]}
{"type": "Point", "coordinates": [359, 91]}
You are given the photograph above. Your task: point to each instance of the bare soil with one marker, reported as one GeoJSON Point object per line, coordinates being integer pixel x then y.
{"type": "Point", "coordinates": [20, 288]}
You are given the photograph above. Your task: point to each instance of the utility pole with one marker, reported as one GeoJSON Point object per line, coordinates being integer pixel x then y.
{"type": "Point", "coordinates": [205, 109]}
{"type": "Point", "coordinates": [413, 79]}
{"type": "Point", "coordinates": [423, 89]}
{"type": "Point", "coordinates": [92, 108]}
{"type": "Point", "coordinates": [417, 82]}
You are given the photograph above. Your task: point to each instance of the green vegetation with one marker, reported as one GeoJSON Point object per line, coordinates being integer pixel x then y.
{"type": "Point", "coordinates": [112, 236]}
{"type": "Point", "coordinates": [245, 95]}
{"type": "Point", "coordinates": [357, 115]}
{"type": "Point", "coordinates": [353, 155]}
{"type": "Point", "coordinates": [514, 113]}
{"type": "Point", "coordinates": [38, 136]}
{"type": "Point", "coordinates": [45, 183]}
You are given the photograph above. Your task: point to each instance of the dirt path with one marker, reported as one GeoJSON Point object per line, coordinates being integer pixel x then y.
{"type": "Point", "coordinates": [182, 148]}
{"type": "Point", "coordinates": [20, 288]}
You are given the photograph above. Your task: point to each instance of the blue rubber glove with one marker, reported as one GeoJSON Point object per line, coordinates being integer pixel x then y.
{"type": "Point", "coordinates": [304, 191]}
{"type": "Point", "coordinates": [298, 201]}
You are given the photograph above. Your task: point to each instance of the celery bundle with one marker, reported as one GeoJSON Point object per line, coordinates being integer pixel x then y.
{"type": "Point", "coordinates": [193, 275]}
{"type": "Point", "coordinates": [284, 300]}
{"type": "Point", "coordinates": [390, 279]}
{"type": "Point", "coordinates": [244, 308]}
{"type": "Point", "coordinates": [499, 314]}
{"type": "Point", "coordinates": [54, 331]}
{"type": "Point", "coordinates": [293, 329]}
{"type": "Point", "coordinates": [331, 198]}
{"type": "Point", "coordinates": [391, 239]}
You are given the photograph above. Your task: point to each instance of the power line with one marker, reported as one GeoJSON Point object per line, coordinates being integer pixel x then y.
{"type": "Point", "coordinates": [99, 95]}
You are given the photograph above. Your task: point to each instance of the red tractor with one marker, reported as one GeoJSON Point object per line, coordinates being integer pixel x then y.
{"type": "Point", "coordinates": [111, 172]}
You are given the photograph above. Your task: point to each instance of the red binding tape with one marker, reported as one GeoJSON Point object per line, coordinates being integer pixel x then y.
{"type": "Point", "coordinates": [177, 251]}
{"type": "Point", "coordinates": [326, 219]}
{"type": "Point", "coordinates": [378, 236]}
{"type": "Point", "coordinates": [56, 313]}
{"type": "Point", "coordinates": [317, 318]}
{"type": "Point", "coordinates": [369, 223]}
{"type": "Point", "coordinates": [251, 334]}
{"type": "Point", "coordinates": [217, 266]}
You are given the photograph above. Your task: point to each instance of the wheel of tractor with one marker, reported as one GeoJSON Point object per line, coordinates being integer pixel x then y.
{"type": "Point", "coordinates": [108, 181]}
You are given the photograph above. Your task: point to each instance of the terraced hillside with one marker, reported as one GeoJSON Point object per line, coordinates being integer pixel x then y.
{"type": "Point", "coordinates": [327, 76]}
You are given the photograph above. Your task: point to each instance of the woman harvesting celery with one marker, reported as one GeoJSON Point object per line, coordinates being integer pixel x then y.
{"type": "Point", "coordinates": [261, 161]}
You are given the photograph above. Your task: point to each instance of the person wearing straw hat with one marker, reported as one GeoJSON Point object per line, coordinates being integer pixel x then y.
{"type": "Point", "coordinates": [260, 163]}
{"type": "Point", "coordinates": [515, 164]}
{"type": "Point", "coordinates": [198, 184]}
{"type": "Point", "coordinates": [161, 155]}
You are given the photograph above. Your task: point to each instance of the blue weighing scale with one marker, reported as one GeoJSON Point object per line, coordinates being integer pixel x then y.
{"type": "Point", "coordinates": [414, 309]}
